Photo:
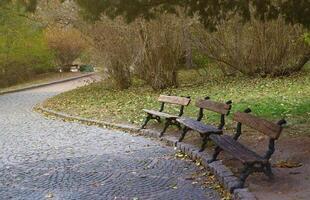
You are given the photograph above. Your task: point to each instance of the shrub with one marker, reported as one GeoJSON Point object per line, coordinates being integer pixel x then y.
{"type": "Point", "coordinates": [162, 50]}
{"type": "Point", "coordinates": [150, 50]}
{"type": "Point", "coordinates": [256, 48]}
{"type": "Point", "coordinates": [116, 44]}
{"type": "Point", "coordinates": [66, 43]}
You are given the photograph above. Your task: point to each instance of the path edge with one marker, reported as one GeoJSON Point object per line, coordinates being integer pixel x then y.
{"type": "Point", "coordinates": [47, 84]}
{"type": "Point", "coordinates": [222, 173]}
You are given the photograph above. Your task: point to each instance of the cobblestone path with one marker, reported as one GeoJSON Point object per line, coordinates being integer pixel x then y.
{"type": "Point", "coordinates": [50, 159]}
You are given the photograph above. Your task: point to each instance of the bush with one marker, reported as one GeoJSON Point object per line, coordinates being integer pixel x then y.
{"type": "Point", "coordinates": [86, 68]}
{"type": "Point", "coordinates": [66, 43]}
{"type": "Point", "coordinates": [150, 50]}
{"type": "Point", "coordinates": [23, 51]}
{"type": "Point", "coordinates": [116, 44]}
{"type": "Point", "coordinates": [255, 48]}
{"type": "Point", "coordinates": [162, 50]}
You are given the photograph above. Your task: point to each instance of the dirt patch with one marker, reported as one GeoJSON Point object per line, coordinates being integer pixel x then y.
{"type": "Point", "coordinates": [289, 183]}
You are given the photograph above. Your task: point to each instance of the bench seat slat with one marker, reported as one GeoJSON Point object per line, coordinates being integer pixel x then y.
{"type": "Point", "coordinates": [160, 114]}
{"type": "Point", "coordinates": [236, 149]}
{"type": "Point", "coordinates": [198, 126]}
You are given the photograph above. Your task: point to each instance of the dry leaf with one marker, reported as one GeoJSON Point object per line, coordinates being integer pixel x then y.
{"type": "Point", "coordinates": [287, 164]}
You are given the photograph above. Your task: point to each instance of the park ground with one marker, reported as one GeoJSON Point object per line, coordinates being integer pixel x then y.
{"type": "Point", "coordinates": [271, 98]}
{"type": "Point", "coordinates": [42, 158]}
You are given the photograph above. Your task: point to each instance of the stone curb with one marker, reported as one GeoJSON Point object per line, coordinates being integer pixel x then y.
{"type": "Point", "coordinates": [122, 127]}
{"type": "Point", "coordinates": [221, 172]}
{"type": "Point", "coordinates": [47, 84]}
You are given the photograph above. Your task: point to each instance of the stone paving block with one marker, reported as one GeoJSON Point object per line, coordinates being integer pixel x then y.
{"type": "Point", "coordinates": [196, 154]}
{"type": "Point", "coordinates": [243, 194]}
{"type": "Point", "coordinates": [187, 149]}
{"type": "Point", "coordinates": [214, 165]}
{"type": "Point", "coordinates": [170, 141]}
{"type": "Point", "coordinates": [222, 171]}
{"type": "Point", "coordinates": [204, 159]}
{"type": "Point", "coordinates": [181, 146]}
{"type": "Point", "coordinates": [231, 183]}
{"type": "Point", "coordinates": [149, 133]}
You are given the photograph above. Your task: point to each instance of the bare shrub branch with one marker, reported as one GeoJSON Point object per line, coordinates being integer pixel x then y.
{"type": "Point", "coordinates": [256, 48]}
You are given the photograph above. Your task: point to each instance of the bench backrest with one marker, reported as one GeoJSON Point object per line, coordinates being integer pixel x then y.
{"type": "Point", "coordinates": [268, 128]}
{"type": "Point", "coordinates": [183, 101]}
{"type": "Point", "coordinates": [221, 108]}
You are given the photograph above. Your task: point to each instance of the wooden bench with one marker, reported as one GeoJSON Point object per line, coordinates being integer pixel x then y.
{"type": "Point", "coordinates": [252, 161]}
{"type": "Point", "coordinates": [203, 129]}
{"type": "Point", "coordinates": [170, 118]}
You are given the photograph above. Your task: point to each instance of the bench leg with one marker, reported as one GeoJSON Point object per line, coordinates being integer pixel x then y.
{"type": "Point", "coordinates": [204, 143]}
{"type": "Point", "coordinates": [167, 124]}
{"type": "Point", "coordinates": [217, 151]}
{"type": "Point", "coordinates": [158, 119]}
{"type": "Point", "coordinates": [178, 125]}
{"type": "Point", "coordinates": [185, 130]}
{"type": "Point", "coordinates": [147, 119]}
{"type": "Point", "coordinates": [247, 170]}
{"type": "Point", "coordinates": [268, 171]}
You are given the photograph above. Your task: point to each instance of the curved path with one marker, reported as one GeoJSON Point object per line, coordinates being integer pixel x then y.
{"type": "Point", "coordinates": [50, 159]}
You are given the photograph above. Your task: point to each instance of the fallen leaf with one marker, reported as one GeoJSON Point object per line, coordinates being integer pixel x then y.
{"type": "Point", "coordinates": [287, 164]}
{"type": "Point", "coordinates": [49, 195]}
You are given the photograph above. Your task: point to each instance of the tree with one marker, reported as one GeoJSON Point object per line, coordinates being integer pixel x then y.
{"type": "Point", "coordinates": [23, 51]}
{"type": "Point", "coordinates": [211, 12]}
{"type": "Point", "coordinates": [26, 5]}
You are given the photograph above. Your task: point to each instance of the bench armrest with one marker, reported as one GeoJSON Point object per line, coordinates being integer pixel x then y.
{"type": "Point", "coordinates": [239, 126]}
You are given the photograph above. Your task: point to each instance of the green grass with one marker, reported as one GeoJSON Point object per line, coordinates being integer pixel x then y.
{"type": "Point", "coordinates": [273, 98]}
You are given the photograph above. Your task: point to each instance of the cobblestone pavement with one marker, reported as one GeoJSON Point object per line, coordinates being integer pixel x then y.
{"type": "Point", "coordinates": [50, 159]}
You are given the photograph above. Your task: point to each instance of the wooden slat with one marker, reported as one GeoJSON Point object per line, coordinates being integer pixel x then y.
{"type": "Point", "coordinates": [198, 126]}
{"type": "Point", "coordinates": [236, 149]}
{"type": "Point", "coordinates": [174, 100]}
{"type": "Point", "coordinates": [221, 108]}
{"type": "Point", "coordinates": [160, 114]}
{"type": "Point", "coordinates": [268, 128]}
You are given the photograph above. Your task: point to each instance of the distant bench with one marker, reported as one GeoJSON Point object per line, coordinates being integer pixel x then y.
{"type": "Point", "coordinates": [252, 161]}
{"type": "Point", "coordinates": [205, 130]}
{"type": "Point", "coordinates": [170, 119]}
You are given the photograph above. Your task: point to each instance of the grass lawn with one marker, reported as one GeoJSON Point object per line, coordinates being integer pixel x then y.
{"type": "Point", "coordinates": [273, 98]}
{"type": "Point", "coordinates": [41, 79]}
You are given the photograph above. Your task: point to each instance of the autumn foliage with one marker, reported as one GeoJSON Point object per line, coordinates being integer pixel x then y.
{"type": "Point", "coordinates": [66, 43]}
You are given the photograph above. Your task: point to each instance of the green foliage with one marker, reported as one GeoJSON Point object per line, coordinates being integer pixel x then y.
{"type": "Point", "coordinates": [86, 68]}
{"type": "Point", "coordinates": [307, 38]}
{"type": "Point", "coordinates": [211, 12]}
{"type": "Point", "coordinates": [201, 60]}
{"type": "Point", "coordinates": [23, 51]}
{"type": "Point", "coordinates": [24, 5]}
